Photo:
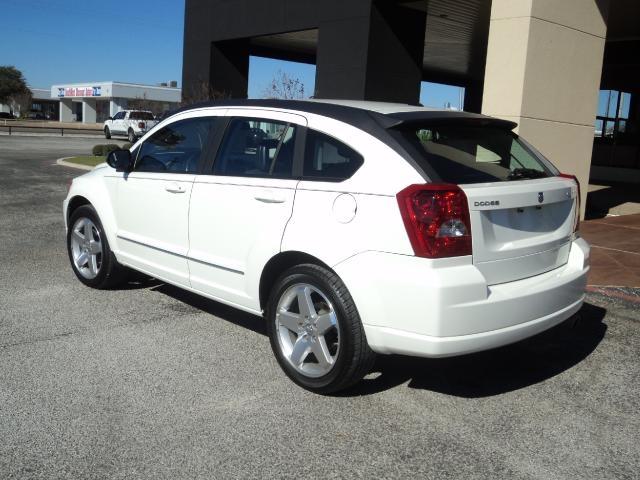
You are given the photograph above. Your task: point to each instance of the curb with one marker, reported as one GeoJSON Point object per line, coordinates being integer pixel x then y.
{"type": "Point", "coordinates": [614, 292]}
{"type": "Point", "coordinates": [62, 161]}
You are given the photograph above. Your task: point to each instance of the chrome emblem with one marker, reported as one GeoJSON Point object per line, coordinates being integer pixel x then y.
{"type": "Point", "coordinates": [540, 197]}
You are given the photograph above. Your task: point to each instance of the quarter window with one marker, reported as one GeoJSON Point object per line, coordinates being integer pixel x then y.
{"type": "Point", "coordinates": [328, 159]}
{"type": "Point", "coordinates": [256, 147]}
{"type": "Point", "coordinates": [177, 147]}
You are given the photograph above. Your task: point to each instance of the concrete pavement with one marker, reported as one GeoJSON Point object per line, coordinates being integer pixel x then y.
{"type": "Point", "coordinates": [152, 382]}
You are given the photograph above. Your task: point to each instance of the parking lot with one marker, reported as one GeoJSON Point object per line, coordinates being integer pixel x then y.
{"type": "Point", "coordinates": [152, 382]}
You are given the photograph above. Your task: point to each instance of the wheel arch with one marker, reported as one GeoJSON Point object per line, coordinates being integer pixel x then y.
{"type": "Point", "coordinates": [89, 190]}
{"type": "Point", "coordinates": [74, 203]}
{"type": "Point", "coordinates": [277, 265]}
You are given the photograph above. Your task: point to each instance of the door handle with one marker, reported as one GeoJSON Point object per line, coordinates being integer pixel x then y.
{"type": "Point", "coordinates": [174, 188]}
{"type": "Point", "coordinates": [269, 197]}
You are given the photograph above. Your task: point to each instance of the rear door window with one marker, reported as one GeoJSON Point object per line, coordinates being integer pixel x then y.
{"type": "Point", "coordinates": [474, 154]}
{"type": "Point", "coordinates": [328, 159]}
{"type": "Point", "coordinates": [254, 147]}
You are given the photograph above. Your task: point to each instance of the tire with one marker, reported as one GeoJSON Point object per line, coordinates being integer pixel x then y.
{"type": "Point", "coordinates": [333, 329]}
{"type": "Point", "coordinates": [131, 136]}
{"type": "Point", "coordinates": [99, 267]}
{"type": "Point", "coordinates": [107, 133]}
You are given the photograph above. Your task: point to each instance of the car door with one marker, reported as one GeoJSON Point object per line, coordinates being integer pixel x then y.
{"type": "Point", "coordinates": [152, 205]}
{"type": "Point", "coordinates": [117, 125]}
{"type": "Point", "coordinates": [241, 204]}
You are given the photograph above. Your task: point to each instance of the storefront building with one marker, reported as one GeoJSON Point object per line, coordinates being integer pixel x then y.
{"type": "Point", "coordinates": [95, 102]}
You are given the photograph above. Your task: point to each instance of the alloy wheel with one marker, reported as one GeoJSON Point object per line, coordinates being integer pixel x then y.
{"type": "Point", "coordinates": [308, 331]}
{"type": "Point", "coordinates": [86, 248]}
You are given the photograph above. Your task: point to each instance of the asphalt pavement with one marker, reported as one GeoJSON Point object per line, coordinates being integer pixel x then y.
{"type": "Point", "coordinates": [152, 382]}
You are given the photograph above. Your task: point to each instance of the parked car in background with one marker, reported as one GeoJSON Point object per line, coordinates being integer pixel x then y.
{"type": "Point", "coordinates": [130, 123]}
{"type": "Point", "coordinates": [353, 228]}
{"type": "Point", "coordinates": [34, 115]}
{"type": "Point", "coordinates": [7, 116]}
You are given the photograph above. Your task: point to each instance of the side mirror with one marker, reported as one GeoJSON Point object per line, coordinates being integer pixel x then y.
{"type": "Point", "coordinates": [120, 160]}
{"type": "Point", "coordinates": [110, 118]}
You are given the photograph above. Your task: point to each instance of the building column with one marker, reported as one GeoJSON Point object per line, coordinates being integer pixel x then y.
{"type": "Point", "coordinates": [229, 72]}
{"type": "Point", "coordinates": [66, 110]}
{"type": "Point", "coordinates": [544, 62]}
{"type": "Point", "coordinates": [376, 55]}
{"type": "Point", "coordinates": [88, 110]}
{"type": "Point", "coordinates": [473, 97]}
{"type": "Point", "coordinates": [116, 105]}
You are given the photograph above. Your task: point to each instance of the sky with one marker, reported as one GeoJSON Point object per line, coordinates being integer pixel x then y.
{"type": "Point", "coordinates": [73, 41]}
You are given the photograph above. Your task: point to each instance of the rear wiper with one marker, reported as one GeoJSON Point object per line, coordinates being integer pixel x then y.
{"type": "Point", "coordinates": [524, 173]}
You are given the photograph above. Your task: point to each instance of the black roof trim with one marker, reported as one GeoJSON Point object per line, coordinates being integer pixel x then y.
{"type": "Point", "coordinates": [351, 114]}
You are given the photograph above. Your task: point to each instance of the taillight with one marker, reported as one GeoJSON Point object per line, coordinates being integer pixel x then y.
{"type": "Point", "coordinates": [436, 217]}
{"type": "Point", "coordinates": [576, 224]}
{"type": "Point", "coordinates": [140, 124]}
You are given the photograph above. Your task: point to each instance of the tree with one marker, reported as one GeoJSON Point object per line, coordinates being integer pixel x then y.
{"type": "Point", "coordinates": [12, 84]}
{"type": "Point", "coordinates": [285, 87]}
{"type": "Point", "coordinates": [142, 103]}
{"type": "Point", "coordinates": [200, 92]}
{"type": "Point", "coordinates": [21, 103]}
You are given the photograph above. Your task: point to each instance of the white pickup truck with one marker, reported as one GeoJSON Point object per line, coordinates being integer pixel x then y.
{"type": "Point", "coordinates": [131, 123]}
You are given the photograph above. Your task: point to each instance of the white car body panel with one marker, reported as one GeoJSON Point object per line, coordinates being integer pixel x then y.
{"type": "Point", "coordinates": [450, 310]}
{"type": "Point", "coordinates": [214, 234]}
{"type": "Point", "coordinates": [153, 211]}
{"type": "Point", "coordinates": [254, 212]}
{"type": "Point", "coordinates": [523, 236]}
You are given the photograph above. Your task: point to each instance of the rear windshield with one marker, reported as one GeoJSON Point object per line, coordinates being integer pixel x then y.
{"type": "Point", "coordinates": [141, 116]}
{"type": "Point", "coordinates": [475, 154]}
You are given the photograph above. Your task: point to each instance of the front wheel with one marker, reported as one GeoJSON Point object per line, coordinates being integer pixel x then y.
{"type": "Point", "coordinates": [315, 330]}
{"type": "Point", "coordinates": [131, 136]}
{"type": "Point", "coordinates": [107, 133]}
{"type": "Point", "coordinates": [91, 259]}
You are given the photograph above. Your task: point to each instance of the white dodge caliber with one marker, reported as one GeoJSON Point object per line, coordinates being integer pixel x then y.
{"type": "Point", "coordinates": [353, 228]}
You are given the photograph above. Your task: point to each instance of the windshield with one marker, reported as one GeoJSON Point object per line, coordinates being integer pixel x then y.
{"type": "Point", "coordinates": [475, 154]}
{"type": "Point", "coordinates": [141, 116]}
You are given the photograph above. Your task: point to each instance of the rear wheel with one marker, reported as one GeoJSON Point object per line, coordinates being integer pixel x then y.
{"type": "Point", "coordinates": [107, 133]}
{"type": "Point", "coordinates": [315, 330]}
{"type": "Point", "coordinates": [131, 136]}
{"type": "Point", "coordinates": [91, 259]}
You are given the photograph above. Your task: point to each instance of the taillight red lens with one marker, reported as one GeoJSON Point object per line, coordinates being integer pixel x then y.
{"type": "Point", "coordinates": [436, 217]}
{"type": "Point", "coordinates": [576, 225]}
{"type": "Point", "coordinates": [140, 124]}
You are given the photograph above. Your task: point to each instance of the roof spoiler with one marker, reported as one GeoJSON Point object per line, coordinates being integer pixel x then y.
{"type": "Point", "coordinates": [405, 119]}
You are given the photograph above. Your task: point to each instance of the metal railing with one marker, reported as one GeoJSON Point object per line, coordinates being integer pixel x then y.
{"type": "Point", "coordinates": [6, 126]}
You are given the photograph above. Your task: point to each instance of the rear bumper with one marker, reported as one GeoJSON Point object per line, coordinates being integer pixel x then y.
{"type": "Point", "coordinates": [430, 308]}
{"type": "Point", "coordinates": [391, 340]}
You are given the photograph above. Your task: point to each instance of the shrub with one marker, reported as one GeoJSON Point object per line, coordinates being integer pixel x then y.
{"type": "Point", "coordinates": [109, 148]}
{"type": "Point", "coordinates": [127, 146]}
{"type": "Point", "coordinates": [103, 150]}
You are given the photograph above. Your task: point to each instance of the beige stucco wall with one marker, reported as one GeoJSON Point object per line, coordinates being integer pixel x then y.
{"type": "Point", "coordinates": [544, 62]}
